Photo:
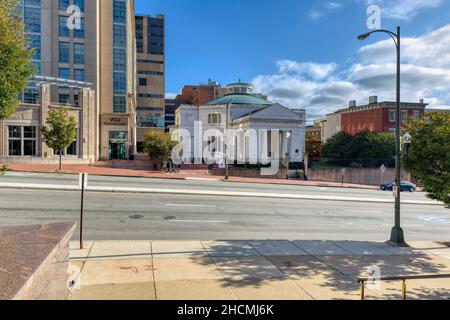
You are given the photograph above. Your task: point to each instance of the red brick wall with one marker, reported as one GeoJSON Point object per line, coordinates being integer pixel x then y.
{"type": "Point", "coordinates": [374, 120]}
{"type": "Point", "coordinates": [365, 120]}
{"type": "Point", "coordinates": [196, 95]}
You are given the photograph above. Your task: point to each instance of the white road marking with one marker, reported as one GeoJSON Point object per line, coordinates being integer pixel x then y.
{"type": "Point", "coordinates": [198, 221]}
{"type": "Point", "coordinates": [201, 179]}
{"type": "Point", "coordinates": [190, 205]}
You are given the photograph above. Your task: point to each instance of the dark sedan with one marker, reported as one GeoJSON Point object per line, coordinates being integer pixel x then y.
{"type": "Point", "coordinates": [404, 186]}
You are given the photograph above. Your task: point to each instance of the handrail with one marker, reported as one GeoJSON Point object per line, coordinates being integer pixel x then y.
{"type": "Point", "coordinates": [363, 281]}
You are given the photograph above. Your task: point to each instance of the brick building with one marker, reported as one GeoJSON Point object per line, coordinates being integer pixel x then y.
{"type": "Point", "coordinates": [374, 117]}
{"type": "Point", "coordinates": [201, 94]}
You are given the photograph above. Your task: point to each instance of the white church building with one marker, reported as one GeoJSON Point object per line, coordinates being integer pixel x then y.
{"type": "Point", "coordinates": [256, 131]}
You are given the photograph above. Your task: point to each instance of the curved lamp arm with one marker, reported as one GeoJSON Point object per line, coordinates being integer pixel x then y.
{"type": "Point", "coordinates": [390, 33]}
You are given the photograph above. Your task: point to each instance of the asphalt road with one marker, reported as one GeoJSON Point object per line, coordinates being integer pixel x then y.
{"type": "Point", "coordinates": [115, 216]}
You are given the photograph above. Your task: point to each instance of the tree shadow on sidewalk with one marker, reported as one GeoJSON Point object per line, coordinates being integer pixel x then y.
{"type": "Point", "coordinates": [326, 269]}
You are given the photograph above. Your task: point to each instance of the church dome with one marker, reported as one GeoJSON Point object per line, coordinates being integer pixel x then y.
{"type": "Point", "coordinates": [243, 99]}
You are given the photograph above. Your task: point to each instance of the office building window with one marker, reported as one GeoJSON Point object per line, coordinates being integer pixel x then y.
{"type": "Point", "coordinates": [34, 42]}
{"type": "Point", "coordinates": [119, 104]}
{"type": "Point", "coordinates": [120, 59]}
{"type": "Point", "coordinates": [63, 30]}
{"type": "Point", "coordinates": [72, 149]}
{"type": "Point", "coordinates": [120, 36]}
{"type": "Point", "coordinates": [32, 19]}
{"type": "Point", "coordinates": [79, 33]}
{"type": "Point", "coordinates": [31, 95]}
{"type": "Point", "coordinates": [404, 116]}
{"type": "Point", "coordinates": [119, 11]}
{"type": "Point", "coordinates": [64, 52]}
{"type": "Point", "coordinates": [64, 4]}
{"type": "Point", "coordinates": [120, 83]}
{"type": "Point", "coordinates": [80, 4]}
{"type": "Point", "coordinates": [21, 141]}
{"type": "Point", "coordinates": [151, 121]}
{"type": "Point", "coordinates": [392, 116]}
{"type": "Point", "coordinates": [214, 118]}
{"type": "Point", "coordinates": [143, 82]}
{"type": "Point", "coordinates": [79, 74]}
{"type": "Point", "coordinates": [64, 73]}
{"type": "Point", "coordinates": [78, 53]}
{"type": "Point", "coordinates": [64, 99]}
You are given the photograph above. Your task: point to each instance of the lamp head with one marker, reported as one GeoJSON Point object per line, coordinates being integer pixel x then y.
{"type": "Point", "coordinates": [363, 36]}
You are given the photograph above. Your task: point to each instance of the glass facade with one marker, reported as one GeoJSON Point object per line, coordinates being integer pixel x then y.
{"type": "Point", "coordinates": [150, 121]}
{"type": "Point", "coordinates": [120, 56]}
{"type": "Point", "coordinates": [31, 12]}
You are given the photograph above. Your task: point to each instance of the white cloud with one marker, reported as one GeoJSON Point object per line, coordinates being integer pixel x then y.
{"type": "Point", "coordinates": [314, 70]}
{"type": "Point", "coordinates": [402, 9]}
{"type": "Point", "coordinates": [322, 88]}
{"type": "Point", "coordinates": [320, 10]}
{"type": "Point", "coordinates": [170, 95]}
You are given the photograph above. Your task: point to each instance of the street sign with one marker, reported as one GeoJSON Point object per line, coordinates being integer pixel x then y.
{"type": "Point", "coordinates": [343, 171]}
{"type": "Point", "coordinates": [82, 181]}
{"type": "Point", "coordinates": [222, 163]}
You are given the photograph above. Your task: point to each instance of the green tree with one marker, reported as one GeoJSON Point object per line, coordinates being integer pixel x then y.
{"type": "Point", "coordinates": [16, 67]}
{"type": "Point", "coordinates": [313, 147]}
{"type": "Point", "coordinates": [60, 132]}
{"type": "Point", "coordinates": [428, 157]}
{"type": "Point", "coordinates": [337, 146]}
{"type": "Point", "coordinates": [158, 145]}
{"type": "Point", "coordinates": [368, 149]}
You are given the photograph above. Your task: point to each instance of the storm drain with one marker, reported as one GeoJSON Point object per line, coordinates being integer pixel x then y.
{"type": "Point", "coordinates": [137, 217]}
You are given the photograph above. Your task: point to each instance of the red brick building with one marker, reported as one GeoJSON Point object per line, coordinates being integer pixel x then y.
{"type": "Point", "coordinates": [378, 116]}
{"type": "Point", "coordinates": [201, 94]}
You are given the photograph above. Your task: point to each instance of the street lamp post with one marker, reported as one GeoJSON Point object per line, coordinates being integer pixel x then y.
{"type": "Point", "coordinates": [397, 235]}
{"type": "Point", "coordinates": [227, 120]}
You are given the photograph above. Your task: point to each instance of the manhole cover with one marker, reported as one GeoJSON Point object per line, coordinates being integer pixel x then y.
{"type": "Point", "coordinates": [137, 217]}
{"type": "Point", "coordinates": [168, 218]}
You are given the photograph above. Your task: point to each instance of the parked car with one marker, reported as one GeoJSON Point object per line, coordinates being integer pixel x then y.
{"type": "Point", "coordinates": [404, 186]}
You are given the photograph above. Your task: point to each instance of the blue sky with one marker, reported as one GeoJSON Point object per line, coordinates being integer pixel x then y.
{"type": "Point", "coordinates": [304, 53]}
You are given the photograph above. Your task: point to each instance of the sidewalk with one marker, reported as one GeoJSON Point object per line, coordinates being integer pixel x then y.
{"type": "Point", "coordinates": [183, 175]}
{"type": "Point", "coordinates": [266, 270]}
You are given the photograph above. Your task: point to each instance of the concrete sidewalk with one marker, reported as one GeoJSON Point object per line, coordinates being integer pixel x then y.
{"type": "Point", "coordinates": [182, 175]}
{"type": "Point", "coordinates": [265, 270]}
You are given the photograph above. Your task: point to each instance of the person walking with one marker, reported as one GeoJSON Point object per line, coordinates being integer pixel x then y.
{"type": "Point", "coordinates": [169, 166]}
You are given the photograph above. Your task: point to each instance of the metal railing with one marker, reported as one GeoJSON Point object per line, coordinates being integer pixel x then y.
{"type": "Point", "coordinates": [403, 279]}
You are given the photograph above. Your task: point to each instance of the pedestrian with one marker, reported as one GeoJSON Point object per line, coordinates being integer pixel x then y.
{"type": "Point", "coordinates": [169, 166]}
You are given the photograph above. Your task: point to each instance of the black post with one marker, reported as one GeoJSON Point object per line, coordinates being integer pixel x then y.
{"type": "Point", "coordinates": [397, 235]}
{"type": "Point", "coordinates": [227, 174]}
{"type": "Point", "coordinates": [81, 212]}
